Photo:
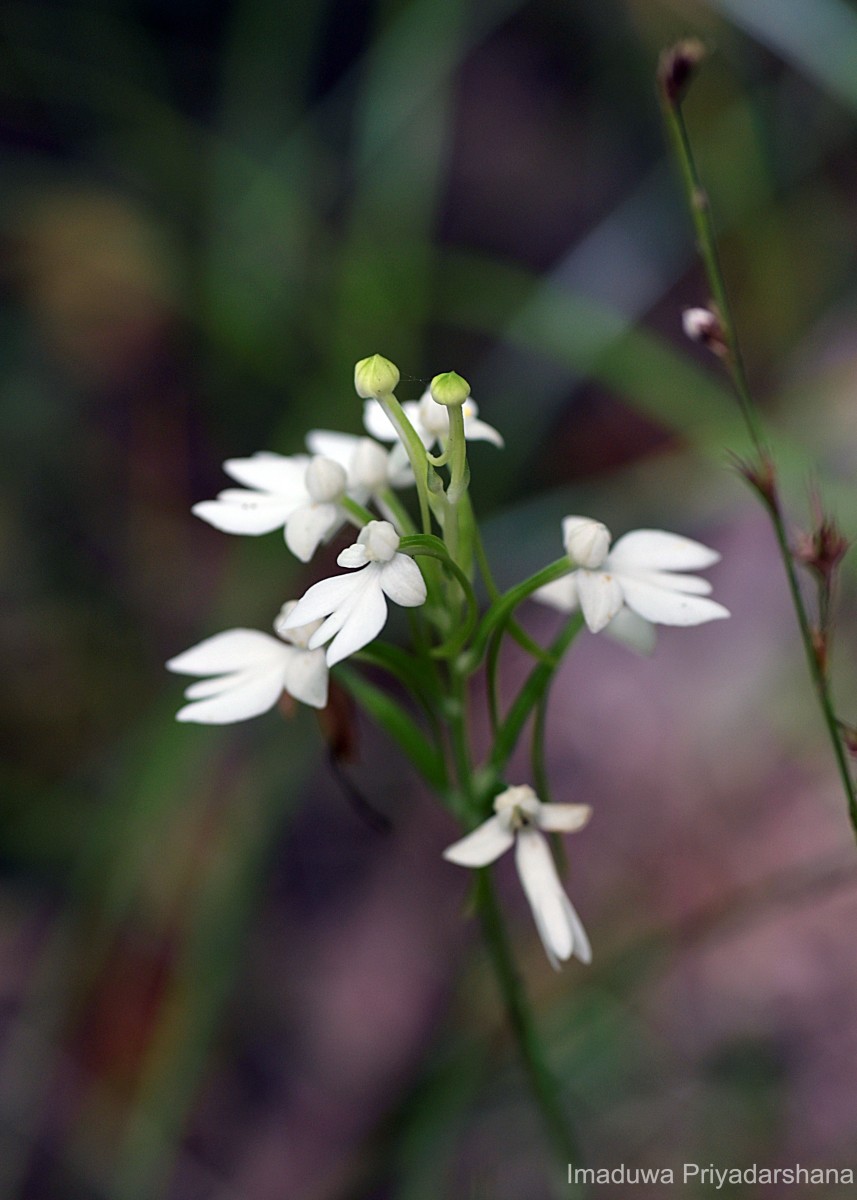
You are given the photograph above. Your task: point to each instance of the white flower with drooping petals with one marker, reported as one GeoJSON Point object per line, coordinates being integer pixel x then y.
{"type": "Point", "coordinates": [642, 572]}
{"type": "Point", "coordinates": [355, 605]}
{"type": "Point", "coordinates": [297, 493]}
{"type": "Point", "coordinates": [249, 671]}
{"type": "Point", "coordinates": [371, 468]}
{"type": "Point", "coordinates": [430, 420]}
{"type": "Point", "coordinates": [275, 486]}
{"type": "Point", "coordinates": [520, 819]}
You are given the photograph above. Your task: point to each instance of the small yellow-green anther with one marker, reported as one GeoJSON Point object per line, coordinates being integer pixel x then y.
{"type": "Point", "coordinates": [375, 376]}
{"type": "Point", "coordinates": [449, 389]}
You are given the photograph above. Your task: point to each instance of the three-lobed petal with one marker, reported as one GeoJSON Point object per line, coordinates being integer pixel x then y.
{"type": "Point", "coordinates": [248, 673]}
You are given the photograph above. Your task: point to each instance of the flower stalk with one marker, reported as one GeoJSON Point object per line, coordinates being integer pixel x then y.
{"type": "Point", "coordinates": [676, 70]}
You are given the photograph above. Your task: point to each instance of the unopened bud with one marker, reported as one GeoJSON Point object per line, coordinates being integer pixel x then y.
{"type": "Point", "coordinates": [677, 67]}
{"type": "Point", "coordinates": [704, 326]}
{"type": "Point", "coordinates": [586, 541]}
{"type": "Point", "coordinates": [380, 539]}
{"type": "Point", "coordinates": [449, 389]}
{"type": "Point", "coordinates": [375, 376]}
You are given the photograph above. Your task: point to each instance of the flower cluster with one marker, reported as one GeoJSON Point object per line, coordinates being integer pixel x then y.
{"type": "Point", "coordinates": [624, 588]}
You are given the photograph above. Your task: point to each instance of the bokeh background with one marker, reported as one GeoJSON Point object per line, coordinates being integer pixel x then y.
{"type": "Point", "coordinates": [216, 981]}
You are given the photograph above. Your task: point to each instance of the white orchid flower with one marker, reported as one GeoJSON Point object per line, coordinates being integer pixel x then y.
{"type": "Point", "coordinates": [642, 572]}
{"type": "Point", "coordinates": [520, 819]}
{"type": "Point", "coordinates": [249, 671]}
{"type": "Point", "coordinates": [355, 605]}
{"type": "Point", "coordinates": [430, 420]}
{"type": "Point", "coordinates": [297, 493]}
{"type": "Point", "coordinates": [370, 467]}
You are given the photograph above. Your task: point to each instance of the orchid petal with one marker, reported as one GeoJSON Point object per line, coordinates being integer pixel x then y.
{"type": "Point", "coordinates": [653, 549]}
{"type": "Point", "coordinates": [563, 818]}
{"type": "Point", "coordinates": [692, 585]}
{"type": "Point", "coordinates": [665, 607]}
{"type": "Point", "coordinates": [308, 526]}
{"type": "Point", "coordinates": [560, 594]}
{"type": "Point", "coordinates": [632, 631]}
{"type": "Point", "coordinates": [480, 431]}
{"type": "Point", "coordinates": [250, 513]}
{"type": "Point", "coordinates": [353, 556]}
{"type": "Point", "coordinates": [600, 597]}
{"type": "Point", "coordinates": [306, 677]}
{"type": "Point", "coordinates": [581, 948]}
{"type": "Point", "coordinates": [203, 688]}
{"type": "Point", "coordinates": [485, 844]}
{"type": "Point", "coordinates": [320, 600]}
{"type": "Point", "coordinates": [233, 650]}
{"type": "Point", "coordinates": [377, 423]}
{"type": "Point", "coordinates": [364, 620]}
{"type": "Point", "coordinates": [544, 892]}
{"type": "Point", "coordinates": [268, 472]}
{"type": "Point", "coordinates": [402, 580]}
{"type": "Point", "coordinates": [331, 444]}
{"type": "Point", "coordinates": [251, 693]}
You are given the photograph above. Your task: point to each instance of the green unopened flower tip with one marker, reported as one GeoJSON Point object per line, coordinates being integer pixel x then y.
{"type": "Point", "coordinates": [375, 376]}
{"type": "Point", "coordinates": [449, 389]}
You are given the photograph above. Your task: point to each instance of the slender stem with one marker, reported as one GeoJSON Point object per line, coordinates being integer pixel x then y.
{"type": "Point", "coordinates": [356, 513]}
{"type": "Point", "coordinates": [416, 452]}
{"type": "Point", "coordinates": [543, 1085]}
{"type": "Point", "coordinates": [542, 1080]}
{"type": "Point", "coordinates": [397, 510]}
{"type": "Point", "coordinates": [733, 360]}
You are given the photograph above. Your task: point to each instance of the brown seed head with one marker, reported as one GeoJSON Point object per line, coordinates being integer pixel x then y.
{"type": "Point", "coordinates": [677, 67]}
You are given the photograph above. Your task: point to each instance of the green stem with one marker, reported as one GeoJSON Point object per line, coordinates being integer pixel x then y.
{"type": "Point", "coordinates": [397, 510]}
{"type": "Point", "coordinates": [542, 1080]}
{"type": "Point", "coordinates": [356, 513]}
{"type": "Point", "coordinates": [416, 452]}
{"type": "Point", "coordinates": [530, 694]}
{"type": "Point", "coordinates": [515, 631]}
{"type": "Point", "coordinates": [707, 243]}
{"type": "Point", "coordinates": [542, 1083]}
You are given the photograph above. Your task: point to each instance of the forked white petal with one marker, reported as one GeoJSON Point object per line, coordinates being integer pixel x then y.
{"type": "Point", "coordinates": [367, 612]}
{"type": "Point", "coordinates": [485, 844]}
{"type": "Point", "coordinates": [251, 692]}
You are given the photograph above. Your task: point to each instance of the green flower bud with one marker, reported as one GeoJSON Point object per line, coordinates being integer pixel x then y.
{"type": "Point", "coordinates": [375, 376]}
{"type": "Point", "coordinates": [449, 389]}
